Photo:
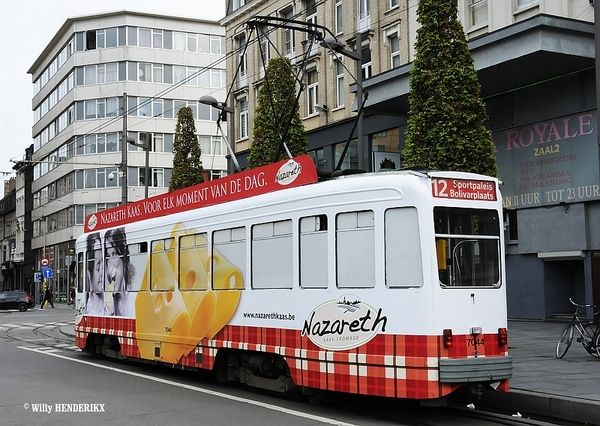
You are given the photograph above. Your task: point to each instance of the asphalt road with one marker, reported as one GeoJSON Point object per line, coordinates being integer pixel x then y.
{"type": "Point", "coordinates": [46, 380]}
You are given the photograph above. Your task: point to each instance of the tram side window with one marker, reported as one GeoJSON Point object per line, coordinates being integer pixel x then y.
{"type": "Point", "coordinates": [403, 260]}
{"type": "Point", "coordinates": [162, 265]}
{"type": "Point", "coordinates": [272, 255]}
{"type": "Point", "coordinates": [80, 272]}
{"type": "Point", "coordinates": [193, 262]}
{"type": "Point", "coordinates": [468, 247]}
{"type": "Point", "coordinates": [313, 252]}
{"type": "Point", "coordinates": [138, 257]}
{"type": "Point", "coordinates": [355, 249]}
{"type": "Point", "coordinates": [228, 261]}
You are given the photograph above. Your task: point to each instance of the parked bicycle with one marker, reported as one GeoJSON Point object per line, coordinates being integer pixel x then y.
{"type": "Point", "coordinates": [589, 334]}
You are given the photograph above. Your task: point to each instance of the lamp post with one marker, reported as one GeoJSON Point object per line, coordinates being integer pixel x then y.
{"type": "Point", "coordinates": [332, 43]}
{"type": "Point", "coordinates": [146, 147]}
{"type": "Point", "coordinates": [124, 153]}
{"type": "Point", "coordinates": [223, 110]}
{"type": "Point", "coordinates": [123, 166]}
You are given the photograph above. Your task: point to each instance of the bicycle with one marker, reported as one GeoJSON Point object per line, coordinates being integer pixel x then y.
{"type": "Point", "coordinates": [589, 334]}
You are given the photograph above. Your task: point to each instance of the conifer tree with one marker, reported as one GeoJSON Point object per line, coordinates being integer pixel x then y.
{"type": "Point", "coordinates": [277, 115]}
{"type": "Point", "coordinates": [446, 124]}
{"type": "Point", "coordinates": [187, 164]}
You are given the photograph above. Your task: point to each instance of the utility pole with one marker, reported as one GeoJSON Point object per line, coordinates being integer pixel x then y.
{"type": "Point", "coordinates": [123, 173]}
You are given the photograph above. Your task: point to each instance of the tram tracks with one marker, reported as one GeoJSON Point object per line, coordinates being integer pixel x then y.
{"type": "Point", "coordinates": [411, 413]}
{"type": "Point", "coordinates": [48, 334]}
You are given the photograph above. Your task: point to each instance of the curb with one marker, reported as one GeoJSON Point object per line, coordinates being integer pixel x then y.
{"type": "Point", "coordinates": [68, 330]}
{"type": "Point", "coordinates": [555, 406]}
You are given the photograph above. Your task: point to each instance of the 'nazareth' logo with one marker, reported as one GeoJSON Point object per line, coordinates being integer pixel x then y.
{"type": "Point", "coordinates": [92, 222]}
{"type": "Point", "coordinates": [288, 172]}
{"type": "Point", "coordinates": [343, 324]}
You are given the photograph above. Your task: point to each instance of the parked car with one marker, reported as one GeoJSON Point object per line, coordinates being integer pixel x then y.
{"type": "Point", "coordinates": [16, 300]}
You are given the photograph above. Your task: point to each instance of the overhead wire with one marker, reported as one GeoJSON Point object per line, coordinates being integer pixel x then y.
{"type": "Point", "coordinates": [160, 95]}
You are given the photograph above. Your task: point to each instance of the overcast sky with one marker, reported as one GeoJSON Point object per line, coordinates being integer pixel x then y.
{"type": "Point", "coordinates": [26, 28]}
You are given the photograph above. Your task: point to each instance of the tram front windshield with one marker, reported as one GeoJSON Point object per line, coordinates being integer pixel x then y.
{"type": "Point", "coordinates": [468, 247]}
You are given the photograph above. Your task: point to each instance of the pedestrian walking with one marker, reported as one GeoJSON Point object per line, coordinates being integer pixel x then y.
{"type": "Point", "coordinates": [47, 297]}
{"type": "Point", "coordinates": [71, 296]}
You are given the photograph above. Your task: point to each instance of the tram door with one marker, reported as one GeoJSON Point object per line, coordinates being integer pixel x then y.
{"type": "Point", "coordinates": [596, 277]}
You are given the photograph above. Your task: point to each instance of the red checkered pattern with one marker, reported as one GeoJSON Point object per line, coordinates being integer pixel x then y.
{"type": "Point", "coordinates": [402, 366]}
{"type": "Point", "coordinates": [123, 328]}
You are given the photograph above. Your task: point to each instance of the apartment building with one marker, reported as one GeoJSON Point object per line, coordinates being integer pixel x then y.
{"type": "Point", "coordinates": [93, 70]}
{"type": "Point", "coordinates": [536, 64]}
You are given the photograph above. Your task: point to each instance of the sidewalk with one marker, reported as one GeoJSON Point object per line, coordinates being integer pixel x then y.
{"type": "Point", "coordinates": [542, 385]}
{"type": "Point", "coordinates": [567, 388]}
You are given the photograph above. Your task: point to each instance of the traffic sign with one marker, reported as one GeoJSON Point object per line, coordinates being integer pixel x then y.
{"type": "Point", "coordinates": [37, 277]}
{"type": "Point", "coordinates": [44, 261]}
{"type": "Point", "coordinates": [48, 273]}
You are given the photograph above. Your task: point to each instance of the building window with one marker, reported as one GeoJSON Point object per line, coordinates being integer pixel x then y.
{"type": "Point", "coordinates": [311, 13]}
{"type": "Point", "coordinates": [478, 12]}
{"type": "Point", "coordinates": [145, 37]}
{"type": "Point", "coordinates": [240, 42]}
{"type": "Point", "coordinates": [340, 88]}
{"type": "Point", "coordinates": [264, 48]}
{"type": "Point", "coordinates": [366, 63]}
{"type": "Point", "coordinates": [364, 14]}
{"type": "Point", "coordinates": [157, 39]}
{"type": "Point", "coordinates": [394, 50]}
{"type": "Point", "coordinates": [393, 3]}
{"type": "Point", "coordinates": [312, 91]}
{"type": "Point", "coordinates": [523, 3]}
{"type": "Point", "coordinates": [158, 178]}
{"type": "Point", "coordinates": [243, 118]}
{"type": "Point", "coordinates": [339, 18]}
{"type": "Point", "coordinates": [288, 34]}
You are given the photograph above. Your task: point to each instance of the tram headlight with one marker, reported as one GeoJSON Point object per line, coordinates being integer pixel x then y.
{"type": "Point", "coordinates": [447, 338]}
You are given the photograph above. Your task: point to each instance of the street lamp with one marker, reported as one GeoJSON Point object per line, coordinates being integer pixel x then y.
{"type": "Point", "coordinates": [336, 46]}
{"type": "Point", "coordinates": [146, 147]}
{"type": "Point", "coordinates": [223, 110]}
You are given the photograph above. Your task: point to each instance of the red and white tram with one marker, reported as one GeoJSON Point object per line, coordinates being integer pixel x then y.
{"type": "Point", "coordinates": [388, 284]}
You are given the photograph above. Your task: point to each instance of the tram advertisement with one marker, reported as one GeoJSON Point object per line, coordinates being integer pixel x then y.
{"type": "Point", "coordinates": [549, 162]}
{"type": "Point", "coordinates": [284, 174]}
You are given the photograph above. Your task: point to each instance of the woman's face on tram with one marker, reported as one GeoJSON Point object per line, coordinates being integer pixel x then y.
{"type": "Point", "coordinates": [114, 266]}
{"type": "Point", "coordinates": [95, 274]}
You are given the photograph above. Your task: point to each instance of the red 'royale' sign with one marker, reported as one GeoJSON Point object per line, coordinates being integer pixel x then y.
{"type": "Point", "coordinates": [284, 174]}
{"type": "Point", "coordinates": [463, 189]}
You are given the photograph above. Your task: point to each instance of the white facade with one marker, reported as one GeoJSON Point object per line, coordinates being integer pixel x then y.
{"type": "Point", "coordinates": [161, 63]}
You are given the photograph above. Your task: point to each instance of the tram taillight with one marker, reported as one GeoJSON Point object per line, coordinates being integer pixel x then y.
{"type": "Point", "coordinates": [502, 336]}
{"type": "Point", "coordinates": [447, 338]}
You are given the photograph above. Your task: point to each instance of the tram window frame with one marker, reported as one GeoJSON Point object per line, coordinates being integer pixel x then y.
{"type": "Point", "coordinates": [157, 261]}
{"type": "Point", "coordinates": [272, 240]}
{"type": "Point", "coordinates": [403, 248]}
{"type": "Point", "coordinates": [138, 257]}
{"type": "Point", "coordinates": [80, 272]}
{"type": "Point", "coordinates": [355, 249]}
{"type": "Point", "coordinates": [199, 244]}
{"type": "Point", "coordinates": [228, 245]}
{"type": "Point", "coordinates": [313, 251]}
{"type": "Point", "coordinates": [471, 234]}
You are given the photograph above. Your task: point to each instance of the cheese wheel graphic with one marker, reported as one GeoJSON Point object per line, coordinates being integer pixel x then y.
{"type": "Point", "coordinates": [201, 306]}
{"type": "Point", "coordinates": [192, 275]}
{"type": "Point", "coordinates": [227, 302]}
{"type": "Point", "coordinates": [162, 316]}
{"type": "Point", "coordinates": [227, 280]}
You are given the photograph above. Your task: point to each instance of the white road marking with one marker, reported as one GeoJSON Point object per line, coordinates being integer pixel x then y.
{"type": "Point", "coordinates": [196, 389]}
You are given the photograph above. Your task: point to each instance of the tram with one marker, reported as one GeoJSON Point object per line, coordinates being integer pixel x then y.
{"type": "Point", "coordinates": [389, 284]}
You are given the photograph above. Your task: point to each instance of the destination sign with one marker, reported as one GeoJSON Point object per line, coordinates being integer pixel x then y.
{"type": "Point", "coordinates": [463, 189]}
